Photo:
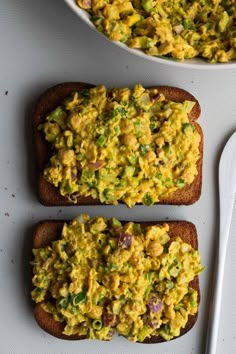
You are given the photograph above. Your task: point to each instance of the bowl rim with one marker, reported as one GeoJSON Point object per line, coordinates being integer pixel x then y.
{"type": "Point", "coordinates": [188, 64]}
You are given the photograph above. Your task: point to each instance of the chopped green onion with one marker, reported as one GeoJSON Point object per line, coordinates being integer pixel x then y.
{"type": "Point", "coordinates": [79, 297]}
{"type": "Point", "coordinates": [97, 324]}
{"type": "Point", "coordinates": [147, 200]}
{"type": "Point", "coordinates": [166, 328]}
{"type": "Point", "coordinates": [122, 111]}
{"type": "Point", "coordinates": [85, 94]}
{"type": "Point", "coordinates": [58, 113]}
{"type": "Point", "coordinates": [128, 171]}
{"type": "Point", "coordinates": [41, 127]}
{"type": "Point", "coordinates": [186, 126]}
{"type": "Point", "coordinates": [188, 24]}
{"type": "Point", "coordinates": [180, 183]}
{"type": "Point", "coordinates": [137, 228]}
{"type": "Point", "coordinates": [137, 128]}
{"type": "Point", "coordinates": [143, 149]}
{"type": "Point", "coordinates": [132, 159]}
{"type": "Point", "coordinates": [169, 284]}
{"type": "Point", "coordinates": [64, 302]}
{"type": "Point", "coordinates": [101, 140]}
{"type": "Point", "coordinates": [95, 18]}
{"type": "Point", "coordinates": [115, 222]}
{"type": "Point", "coordinates": [167, 148]}
{"type": "Point", "coordinates": [114, 267]}
{"type": "Point", "coordinates": [158, 175]}
{"type": "Point", "coordinates": [147, 5]}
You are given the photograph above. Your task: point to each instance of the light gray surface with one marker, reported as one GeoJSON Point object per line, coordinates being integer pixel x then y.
{"type": "Point", "coordinates": [43, 43]}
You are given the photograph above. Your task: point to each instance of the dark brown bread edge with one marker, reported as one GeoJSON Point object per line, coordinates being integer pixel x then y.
{"type": "Point", "coordinates": [50, 196]}
{"type": "Point", "coordinates": [48, 231]}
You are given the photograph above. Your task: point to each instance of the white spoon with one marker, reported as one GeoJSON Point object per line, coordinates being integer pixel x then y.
{"type": "Point", "coordinates": [227, 190]}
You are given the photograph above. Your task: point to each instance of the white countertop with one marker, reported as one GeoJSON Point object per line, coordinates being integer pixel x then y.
{"type": "Point", "coordinates": [43, 43]}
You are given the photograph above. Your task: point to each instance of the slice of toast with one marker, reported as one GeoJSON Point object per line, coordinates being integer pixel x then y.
{"type": "Point", "coordinates": [50, 196]}
{"type": "Point", "coordinates": [48, 231]}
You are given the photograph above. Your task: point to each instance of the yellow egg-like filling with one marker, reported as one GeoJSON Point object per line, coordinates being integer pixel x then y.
{"type": "Point", "coordinates": [121, 144]}
{"type": "Point", "coordinates": [101, 276]}
{"type": "Point", "coordinates": [177, 29]}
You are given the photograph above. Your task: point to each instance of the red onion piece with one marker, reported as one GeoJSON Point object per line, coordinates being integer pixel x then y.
{"type": "Point", "coordinates": [87, 4]}
{"type": "Point", "coordinates": [154, 304]}
{"type": "Point", "coordinates": [109, 320]}
{"type": "Point", "coordinates": [125, 240]}
{"type": "Point", "coordinates": [96, 165]}
{"type": "Point", "coordinates": [111, 332]}
{"type": "Point", "coordinates": [156, 97]}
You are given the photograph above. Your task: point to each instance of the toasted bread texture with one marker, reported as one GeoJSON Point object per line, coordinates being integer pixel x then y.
{"type": "Point", "coordinates": [48, 231]}
{"type": "Point", "coordinates": [50, 196]}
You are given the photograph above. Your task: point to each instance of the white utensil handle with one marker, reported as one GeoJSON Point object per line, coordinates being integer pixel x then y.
{"type": "Point", "coordinates": [227, 191]}
{"type": "Point", "coordinates": [215, 306]}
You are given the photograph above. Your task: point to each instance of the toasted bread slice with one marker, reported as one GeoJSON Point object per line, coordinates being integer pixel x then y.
{"type": "Point", "coordinates": [50, 196]}
{"type": "Point", "coordinates": [48, 231]}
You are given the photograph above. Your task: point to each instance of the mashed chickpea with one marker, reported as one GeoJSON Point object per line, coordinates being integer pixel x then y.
{"type": "Point", "coordinates": [172, 28]}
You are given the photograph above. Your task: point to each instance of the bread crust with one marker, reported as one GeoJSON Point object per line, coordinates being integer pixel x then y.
{"type": "Point", "coordinates": [50, 196]}
{"type": "Point", "coordinates": [49, 230]}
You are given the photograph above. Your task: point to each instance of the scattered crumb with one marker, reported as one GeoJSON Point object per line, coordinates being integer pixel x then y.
{"type": "Point", "coordinates": [167, 218]}
{"type": "Point", "coordinates": [5, 188]}
{"type": "Point", "coordinates": [12, 261]}
{"type": "Point", "coordinates": [59, 211]}
{"type": "Point", "coordinates": [7, 214]}
{"type": "Point", "coordinates": [13, 195]}
{"type": "Point", "coordinates": [6, 93]}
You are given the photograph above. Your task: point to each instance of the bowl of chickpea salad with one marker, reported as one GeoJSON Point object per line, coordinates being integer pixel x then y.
{"type": "Point", "coordinates": [192, 34]}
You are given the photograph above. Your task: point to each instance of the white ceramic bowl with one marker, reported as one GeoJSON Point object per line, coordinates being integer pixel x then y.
{"type": "Point", "coordinates": [195, 63]}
